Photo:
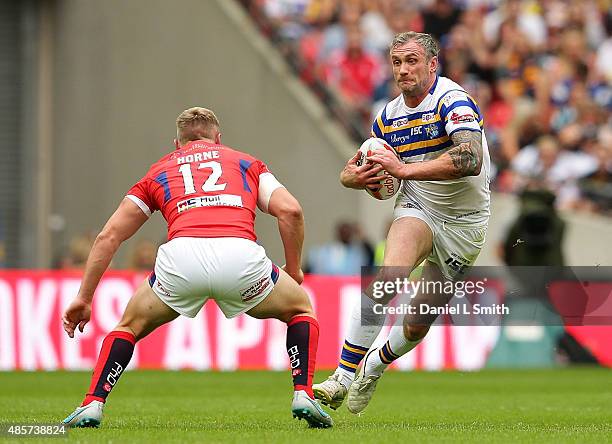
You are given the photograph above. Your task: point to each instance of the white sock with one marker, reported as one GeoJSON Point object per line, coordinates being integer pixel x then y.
{"type": "Point", "coordinates": [364, 335]}
{"type": "Point", "coordinates": [359, 338]}
{"type": "Point", "coordinates": [397, 345]}
{"type": "Point", "coordinates": [346, 377]}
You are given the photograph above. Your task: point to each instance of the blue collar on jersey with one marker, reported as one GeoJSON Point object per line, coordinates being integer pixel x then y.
{"type": "Point", "coordinates": [433, 87]}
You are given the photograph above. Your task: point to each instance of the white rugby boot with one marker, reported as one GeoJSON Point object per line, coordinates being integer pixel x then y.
{"type": "Point", "coordinates": [363, 387]}
{"type": "Point", "coordinates": [331, 392]}
{"type": "Point", "coordinates": [89, 415]}
{"type": "Point", "coordinates": [304, 407]}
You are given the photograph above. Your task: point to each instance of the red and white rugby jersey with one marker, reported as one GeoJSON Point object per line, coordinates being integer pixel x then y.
{"type": "Point", "coordinates": [203, 190]}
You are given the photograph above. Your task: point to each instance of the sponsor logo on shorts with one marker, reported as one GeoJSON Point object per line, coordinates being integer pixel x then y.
{"type": "Point", "coordinates": [460, 216]}
{"type": "Point", "coordinates": [410, 205]}
{"type": "Point", "coordinates": [161, 288]}
{"type": "Point", "coordinates": [255, 290]}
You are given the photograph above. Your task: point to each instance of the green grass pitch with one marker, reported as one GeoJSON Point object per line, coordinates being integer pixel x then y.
{"type": "Point", "coordinates": [565, 405]}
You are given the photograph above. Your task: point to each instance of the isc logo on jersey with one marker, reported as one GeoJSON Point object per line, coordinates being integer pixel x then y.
{"type": "Point", "coordinates": [389, 184]}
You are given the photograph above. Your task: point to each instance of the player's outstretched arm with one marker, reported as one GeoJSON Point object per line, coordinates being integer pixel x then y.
{"type": "Point", "coordinates": [463, 159]}
{"type": "Point", "coordinates": [288, 211]}
{"type": "Point", "coordinates": [124, 222]}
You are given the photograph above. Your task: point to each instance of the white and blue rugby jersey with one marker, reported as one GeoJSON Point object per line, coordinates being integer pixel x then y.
{"type": "Point", "coordinates": [423, 133]}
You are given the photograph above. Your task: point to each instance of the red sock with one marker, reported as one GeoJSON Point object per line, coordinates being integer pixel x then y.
{"type": "Point", "coordinates": [115, 355]}
{"type": "Point", "coordinates": [302, 341]}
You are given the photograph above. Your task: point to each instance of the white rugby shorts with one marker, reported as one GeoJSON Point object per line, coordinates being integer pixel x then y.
{"type": "Point", "coordinates": [455, 246]}
{"type": "Point", "coordinates": [235, 272]}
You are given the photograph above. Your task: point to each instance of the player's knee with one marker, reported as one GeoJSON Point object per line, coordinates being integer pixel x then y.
{"type": "Point", "coordinates": [307, 310]}
{"type": "Point", "coordinates": [304, 309]}
{"type": "Point", "coordinates": [131, 325]}
{"type": "Point", "coordinates": [301, 306]}
{"type": "Point", "coordinates": [308, 313]}
{"type": "Point", "coordinates": [128, 329]}
{"type": "Point", "coordinates": [388, 278]}
{"type": "Point", "coordinates": [404, 269]}
{"type": "Point", "coordinates": [415, 332]}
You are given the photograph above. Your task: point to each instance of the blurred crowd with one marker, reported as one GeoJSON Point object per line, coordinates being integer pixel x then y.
{"type": "Point", "coordinates": [141, 256]}
{"type": "Point", "coordinates": [344, 255]}
{"type": "Point", "coordinates": [541, 71]}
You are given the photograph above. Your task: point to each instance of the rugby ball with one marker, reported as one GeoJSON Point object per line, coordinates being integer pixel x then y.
{"type": "Point", "coordinates": [389, 184]}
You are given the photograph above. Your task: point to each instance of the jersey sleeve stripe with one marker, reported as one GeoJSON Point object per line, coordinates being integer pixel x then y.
{"type": "Point", "coordinates": [162, 179]}
{"type": "Point", "coordinates": [244, 166]}
{"type": "Point", "coordinates": [465, 128]}
{"type": "Point", "coordinates": [143, 206]}
{"type": "Point", "coordinates": [457, 104]}
{"type": "Point", "coordinates": [378, 125]}
{"type": "Point", "coordinates": [383, 117]}
{"type": "Point", "coordinates": [440, 104]}
{"type": "Point", "coordinates": [376, 131]}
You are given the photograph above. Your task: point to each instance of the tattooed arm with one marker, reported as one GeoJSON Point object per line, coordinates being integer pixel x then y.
{"type": "Point", "coordinates": [466, 153]}
{"type": "Point", "coordinates": [463, 159]}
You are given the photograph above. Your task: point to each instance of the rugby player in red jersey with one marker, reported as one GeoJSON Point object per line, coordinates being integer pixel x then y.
{"type": "Point", "coordinates": [208, 194]}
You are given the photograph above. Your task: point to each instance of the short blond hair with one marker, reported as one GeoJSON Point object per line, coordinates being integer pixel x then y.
{"type": "Point", "coordinates": [196, 123]}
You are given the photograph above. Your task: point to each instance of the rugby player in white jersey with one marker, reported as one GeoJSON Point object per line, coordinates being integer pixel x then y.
{"type": "Point", "coordinates": [440, 216]}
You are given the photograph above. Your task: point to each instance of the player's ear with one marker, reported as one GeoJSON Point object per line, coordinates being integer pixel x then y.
{"type": "Point", "coordinates": [433, 64]}
{"type": "Point", "coordinates": [176, 144]}
{"type": "Point", "coordinates": [218, 138]}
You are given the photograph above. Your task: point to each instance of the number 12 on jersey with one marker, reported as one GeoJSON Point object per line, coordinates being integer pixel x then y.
{"type": "Point", "coordinates": [210, 184]}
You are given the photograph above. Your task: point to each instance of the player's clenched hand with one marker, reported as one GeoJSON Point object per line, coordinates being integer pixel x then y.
{"type": "Point", "coordinates": [389, 162]}
{"type": "Point", "coordinates": [296, 275]}
{"type": "Point", "coordinates": [358, 177]}
{"type": "Point", "coordinates": [77, 314]}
